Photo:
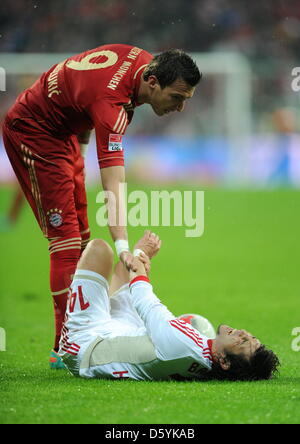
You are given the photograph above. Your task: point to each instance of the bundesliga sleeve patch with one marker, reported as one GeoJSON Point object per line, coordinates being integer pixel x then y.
{"type": "Point", "coordinates": [115, 142]}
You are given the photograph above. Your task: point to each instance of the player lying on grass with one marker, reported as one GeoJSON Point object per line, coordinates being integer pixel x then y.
{"type": "Point", "coordinates": [133, 335]}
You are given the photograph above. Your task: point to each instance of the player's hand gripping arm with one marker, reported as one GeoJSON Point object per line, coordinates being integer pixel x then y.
{"type": "Point", "coordinates": [112, 180]}
{"type": "Point", "coordinates": [148, 306]}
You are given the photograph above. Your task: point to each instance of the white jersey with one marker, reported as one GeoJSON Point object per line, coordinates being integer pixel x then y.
{"type": "Point", "coordinates": [133, 335]}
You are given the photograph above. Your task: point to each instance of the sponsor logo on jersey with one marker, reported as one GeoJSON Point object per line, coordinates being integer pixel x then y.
{"type": "Point", "coordinates": [115, 142]}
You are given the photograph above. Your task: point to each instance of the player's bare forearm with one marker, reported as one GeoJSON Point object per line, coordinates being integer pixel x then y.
{"type": "Point", "coordinates": [113, 179]}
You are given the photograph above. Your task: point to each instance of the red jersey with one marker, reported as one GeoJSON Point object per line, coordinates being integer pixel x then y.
{"type": "Point", "coordinates": [96, 89]}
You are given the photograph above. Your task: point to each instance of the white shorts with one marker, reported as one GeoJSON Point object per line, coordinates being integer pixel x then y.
{"type": "Point", "coordinates": [91, 313]}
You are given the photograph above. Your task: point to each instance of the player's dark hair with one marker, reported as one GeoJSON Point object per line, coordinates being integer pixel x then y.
{"type": "Point", "coordinates": [263, 364]}
{"type": "Point", "coordinates": [172, 65]}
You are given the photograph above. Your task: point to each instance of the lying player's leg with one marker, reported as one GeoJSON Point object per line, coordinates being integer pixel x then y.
{"type": "Point", "coordinates": [121, 308]}
{"type": "Point", "coordinates": [88, 311]}
{"type": "Point", "coordinates": [98, 257]}
{"type": "Point", "coordinates": [119, 279]}
{"type": "Point", "coordinates": [89, 297]}
{"type": "Point", "coordinates": [89, 300]}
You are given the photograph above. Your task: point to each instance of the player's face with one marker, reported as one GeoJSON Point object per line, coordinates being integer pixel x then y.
{"type": "Point", "coordinates": [171, 98]}
{"type": "Point", "coordinates": [240, 342]}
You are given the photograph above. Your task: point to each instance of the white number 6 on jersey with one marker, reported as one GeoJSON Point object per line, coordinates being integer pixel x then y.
{"type": "Point", "coordinates": [86, 65]}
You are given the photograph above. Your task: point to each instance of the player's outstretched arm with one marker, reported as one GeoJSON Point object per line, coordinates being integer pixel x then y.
{"type": "Point", "coordinates": [112, 180]}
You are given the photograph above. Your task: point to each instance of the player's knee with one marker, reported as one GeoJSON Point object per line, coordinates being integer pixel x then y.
{"type": "Point", "coordinates": [101, 250]}
{"type": "Point", "coordinates": [97, 257]}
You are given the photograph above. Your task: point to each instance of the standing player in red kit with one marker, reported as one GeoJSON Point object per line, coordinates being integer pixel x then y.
{"type": "Point", "coordinates": [47, 130]}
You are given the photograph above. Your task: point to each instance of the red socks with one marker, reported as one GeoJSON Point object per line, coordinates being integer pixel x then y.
{"type": "Point", "coordinates": [64, 256]}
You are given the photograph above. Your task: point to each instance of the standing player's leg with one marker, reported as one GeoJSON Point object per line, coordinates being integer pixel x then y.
{"type": "Point", "coordinates": [80, 202]}
{"type": "Point", "coordinates": [47, 180]}
{"type": "Point", "coordinates": [65, 239]}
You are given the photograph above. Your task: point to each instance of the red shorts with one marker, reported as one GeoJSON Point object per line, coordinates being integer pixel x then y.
{"type": "Point", "coordinates": [51, 174]}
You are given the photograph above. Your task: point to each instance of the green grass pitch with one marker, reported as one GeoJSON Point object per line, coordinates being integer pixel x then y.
{"type": "Point", "coordinates": [244, 271]}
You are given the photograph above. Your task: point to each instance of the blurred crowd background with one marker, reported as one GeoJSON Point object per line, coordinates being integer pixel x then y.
{"type": "Point", "coordinates": [195, 145]}
{"type": "Point", "coordinates": [260, 29]}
